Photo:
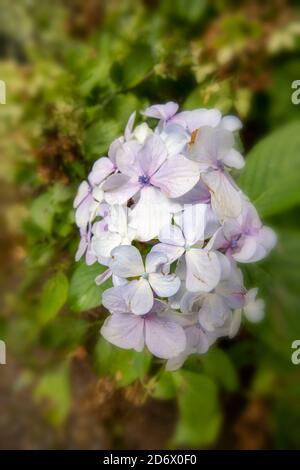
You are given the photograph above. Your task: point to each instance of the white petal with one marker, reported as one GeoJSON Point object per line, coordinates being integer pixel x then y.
{"type": "Point", "coordinates": [197, 118]}
{"type": "Point", "coordinates": [149, 215]}
{"type": "Point", "coordinates": [203, 270]}
{"type": "Point", "coordinates": [129, 126]}
{"type": "Point", "coordinates": [141, 132]}
{"type": "Point", "coordinates": [231, 123]}
{"type": "Point", "coordinates": [101, 169]}
{"type": "Point", "coordinates": [161, 111]}
{"type": "Point", "coordinates": [225, 199]}
{"type": "Point", "coordinates": [154, 261]}
{"type": "Point", "coordinates": [104, 243]}
{"type": "Point", "coordinates": [83, 211]}
{"type": "Point", "coordinates": [164, 285]}
{"type": "Point", "coordinates": [82, 192]}
{"type": "Point", "coordinates": [193, 222]}
{"type": "Point", "coordinates": [140, 297]}
{"type": "Point", "coordinates": [171, 235]}
{"type": "Point", "coordinates": [172, 252]}
{"type": "Point", "coordinates": [175, 139]}
{"type": "Point", "coordinates": [247, 249]}
{"type": "Point", "coordinates": [234, 159]}
{"type": "Point", "coordinates": [126, 261]}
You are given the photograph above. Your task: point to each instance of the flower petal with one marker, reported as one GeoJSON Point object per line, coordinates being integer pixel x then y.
{"type": "Point", "coordinates": [82, 192]}
{"type": "Point", "coordinates": [234, 159]}
{"type": "Point", "coordinates": [164, 285]}
{"type": "Point", "coordinates": [140, 297]}
{"type": "Point", "coordinates": [171, 235]}
{"type": "Point", "coordinates": [152, 155]}
{"type": "Point", "coordinates": [101, 169]}
{"type": "Point", "coordinates": [164, 338]}
{"type": "Point", "coordinates": [154, 261]}
{"type": "Point", "coordinates": [197, 118]}
{"type": "Point", "coordinates": [150, 214]}
{"type": "Point", "coordinates": [125, 331]}
{"type": "Point", "coordinates": [119, 189]}
{"type": "Point", "coordinates": [105, 242]}
{"type": "Point", "coordinates": [176, 176]}
{"type": "Point", "coordinates": [113, 299]}
{"type": "Point", "coordinates": [162, 111]}
{"type": "Point", "coordinates": [225, 199]}
{"type": "Point", "coordinates": [126, 261]}
{"type": "Point", "coordinates": [203, 270]}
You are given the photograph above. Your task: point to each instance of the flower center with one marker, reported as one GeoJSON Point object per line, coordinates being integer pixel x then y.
{"type": "Point", "coordinates": [144, 179]}
{"type": "Point", "coordinates": [234, 242]}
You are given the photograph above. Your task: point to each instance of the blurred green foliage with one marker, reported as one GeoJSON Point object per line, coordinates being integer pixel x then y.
{"type": "Point", "coordinates": [73, 80]}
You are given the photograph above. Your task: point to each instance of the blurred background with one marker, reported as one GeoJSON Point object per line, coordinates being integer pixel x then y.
{"type": "Point", "coordinates": [74, 71]}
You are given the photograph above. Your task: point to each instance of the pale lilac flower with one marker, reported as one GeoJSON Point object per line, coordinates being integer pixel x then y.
{"type": "Point", "coordinates": [87, 203]}
{"type": "Point", "coordinates": [84, 247]}
{"type": "Point", "coordinates": [244, 238]}
{"type": "Point", "coordinates": [197, 342]}
{"type": "Point", "coordinates": [163, 337]}
{"type": "Point", "coordinates": [128, 263]}
{"type": "Point", "coordinates": [162, 111]}
{"type": "Point", "coordinates": [215, 308]}
{"type": "Point", "coordinates": [147, 165]}
{"type": "Point", "coordinates": [189, 120]}
{"type": "Point", "coordinates": [203, 268]}
{"type": "Point", "coordinates": [214, 151]}
{"type": "Point", "coordinates": [115, 232]}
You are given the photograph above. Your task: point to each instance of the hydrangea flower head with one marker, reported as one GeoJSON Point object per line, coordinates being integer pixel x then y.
{"type": "Point", "coordinates": [164, 215]}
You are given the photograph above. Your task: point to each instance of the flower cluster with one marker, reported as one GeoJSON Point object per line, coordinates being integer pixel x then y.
{"type": "Point", "coordinates": [165, 216]}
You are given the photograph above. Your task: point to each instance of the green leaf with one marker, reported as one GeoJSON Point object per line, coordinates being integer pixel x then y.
{"type": "Point", "coordinates": [42, 212]}
{"type": "Point", "coordinates": [65, 332]}
{"type": "Point", "coordinates": [54, 296]}
{"type": "Point", "coordinates": [218, 365]}
{"type": "Point", "coordinates": [53, 391]}
{"type": "Point", "coordinates": [272, 172]}
{"type": "Point", "coordinates": [164, 386]}
{"type": "Point", "coordinates": [99, 136]}
{"type": "Point", "coordinates": [124, 365]}
{"type": "Point", "coordinates": [84, 292]}
{"type": "Point", "coordinates": [200, 416]}
{"type": "Point", "coordinates": [129, 72]}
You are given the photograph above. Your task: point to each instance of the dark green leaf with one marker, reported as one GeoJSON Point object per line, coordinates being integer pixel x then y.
{"type": "Point", "coordinates": [54, 296]}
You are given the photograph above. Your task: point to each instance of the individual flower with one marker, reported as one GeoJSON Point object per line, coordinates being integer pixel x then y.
{"type": "Point", "coordinates": [113, 232]}
{"type": "Point", "coordinates": [203, 268]}
{"type": "Point", "coordinates": [127, 262]}
{"type": "Point", "coordinates": [148, 165]}
{"type": "Point", "coordinates": [163, 336]}
{"type": "Point", "coordinates": [215, 308]}
{"type": "Point", "coordinates": [214, 151]}
{"type": "Point", "coordinates": [244, 238]}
